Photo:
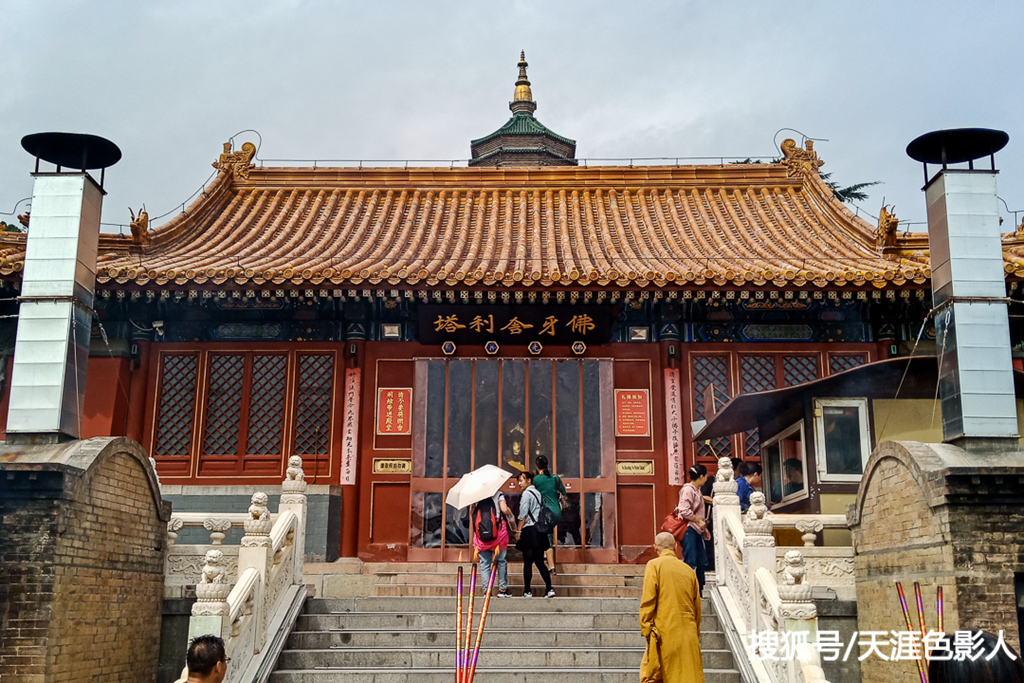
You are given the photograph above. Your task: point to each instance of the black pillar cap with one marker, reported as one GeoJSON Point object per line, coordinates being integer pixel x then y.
{"type": "Point", "coordinates": [72, 150]}
{"type": "Point", "coordinates": [956, 145]}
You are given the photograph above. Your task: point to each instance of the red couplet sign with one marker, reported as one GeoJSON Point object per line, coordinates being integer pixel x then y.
{"type": "Point", "coordinates": [394, 411]}
{"type": "Point", "coordinates": [632, 412]}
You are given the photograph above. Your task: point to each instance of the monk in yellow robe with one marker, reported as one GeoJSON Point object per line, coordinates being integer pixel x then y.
{"type": "Point", "coordinates": [670, 618]}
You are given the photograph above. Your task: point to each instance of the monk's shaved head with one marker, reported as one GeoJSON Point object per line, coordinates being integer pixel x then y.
{"type": "Point", "coordinates": [665, 541]}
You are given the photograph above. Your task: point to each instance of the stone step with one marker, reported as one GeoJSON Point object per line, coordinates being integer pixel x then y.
{"type": "Point", "coordinates": [452, 568]}
{"type": "Point", "coordinates": [417, 605]}
{"type": "Point", "coordinates": [490, 656]}
{"type": "Point", "coordinates": [486, 675]}
{"type": "Point", "coordinates": [413, 590]}
{"type": "Point", "coordinates": [523, 621]}
{"type": "Point", "coordinates": [323, 640]}
{"type": "Point", "coordinates": [514, 579]}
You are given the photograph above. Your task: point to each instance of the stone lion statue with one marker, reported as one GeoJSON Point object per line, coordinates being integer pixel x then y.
{"type": "Point", "coordinates": [794, 569]}
{"type": "Point", "coordinates": [725, 472]}
{"type": "Point", "coordinates": [214, 571]}
{"type": "Point", "coordinates": [294, 471]}
{"type": "Point", "coordinates": [757, 509]}
{"type": "Point", "coordinates": [258, 509]}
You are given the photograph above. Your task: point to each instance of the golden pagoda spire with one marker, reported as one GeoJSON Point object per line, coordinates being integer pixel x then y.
{"type": "Point", "coordinates": [523, 100]}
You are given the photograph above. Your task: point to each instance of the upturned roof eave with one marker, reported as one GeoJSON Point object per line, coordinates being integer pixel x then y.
{"type": "Point", "coordinates": [512, 128]}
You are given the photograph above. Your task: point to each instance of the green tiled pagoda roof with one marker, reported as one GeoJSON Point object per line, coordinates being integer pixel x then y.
{"type": "Point", "coordinates": [522, 124]}
{"type": "Point", "coordinates": [520, 150]}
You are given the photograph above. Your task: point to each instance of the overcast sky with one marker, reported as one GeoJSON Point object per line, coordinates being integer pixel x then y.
{"type": "Point", "coordinates": [170, 82]}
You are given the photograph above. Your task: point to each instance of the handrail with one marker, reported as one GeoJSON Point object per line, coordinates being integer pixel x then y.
{"type": "Point", "coordinates": [740, 657]}
{"type": "Point", "coordinates": [194, 519]}
{"type": "Point", "coordinates": [791, 520]}
{"type": "Point", "coordinates": [255, 615]}
{"type": "Point", "coordinates": [239, 595]}
{"type": "Point", "coordinates": [735, 525]}
{"type": "Point", "coordinates": [215, 522]}
{"type": "Point", "coordinates": [279, 534]}
{"type": "Point", "coordinates": [750, 593]}
{"type": "Point", "coordinates": [770, 589]}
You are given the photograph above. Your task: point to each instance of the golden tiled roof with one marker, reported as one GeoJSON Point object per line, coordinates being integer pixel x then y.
{"type": "Point", "coordinates": [648, 226]}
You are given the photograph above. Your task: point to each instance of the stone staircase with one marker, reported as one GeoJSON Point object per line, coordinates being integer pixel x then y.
{"type": "Point", "coordinates": [405, 632]}
{"type": "Point", "coordinates": [575, 581]}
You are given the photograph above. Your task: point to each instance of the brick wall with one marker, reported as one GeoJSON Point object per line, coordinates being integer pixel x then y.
{"type": "Point", "coordinates": [925, 514]}
{"type": "Point", "coordinates": [82, 545]}
{"type": "Point", "coordinates": [29, 510]}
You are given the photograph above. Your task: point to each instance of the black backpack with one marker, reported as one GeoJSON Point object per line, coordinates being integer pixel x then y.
{"type": "Point", "coordinates": [546, 521]}
{"type": "Point", "coordinates": [486, 520]}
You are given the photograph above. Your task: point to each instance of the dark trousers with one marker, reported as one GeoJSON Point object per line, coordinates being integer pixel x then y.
{"type": "Point", "coordinates": [534, 556]}
{"type": "Point", "coordinates": [695, 555]}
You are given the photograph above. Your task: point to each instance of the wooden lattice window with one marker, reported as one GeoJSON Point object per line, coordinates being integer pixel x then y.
{"type": "Point", "coordinates": [313, 404]}
{"type": "Point", "coordinates": [266, 404]}
{"type": "Point", "coordinates": [757, 373]}
{"type": "Point", "coordinates": [177, 398]}
{"type": "Point", "coordinates": [711, 370]}
{"type": "Point", "coordinates": [799, 369]}
{"type": "Point", "coordinates": [245, 404]}
{"type": "Point", "coordinates": [838, 362]}
{"type": "Point", "coordinates": [224, 404]}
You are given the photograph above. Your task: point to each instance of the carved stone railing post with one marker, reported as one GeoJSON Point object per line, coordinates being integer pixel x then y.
{"type": "Point", "coordinates": [293, 499]}
{"type": "Point", "coordinates": [797, 610]}
{"type": "Point", "coordinates": [726, 503]}
{"type": "Point", "coordinates": [810, 528]}
{"type": "Point", "coordinates": [217, 527]}
{"type": "Point", "coordinates": [174, 525]}
{"type": "Point", "coordinates": [255, 553]}
{"type": "Point", "coordinates": [210, 610]}
{"type": "Point", "coordinates": [758, 549]}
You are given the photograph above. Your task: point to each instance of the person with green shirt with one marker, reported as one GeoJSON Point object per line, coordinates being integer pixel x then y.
{"type": "Point", "coordinates": [550, 488]}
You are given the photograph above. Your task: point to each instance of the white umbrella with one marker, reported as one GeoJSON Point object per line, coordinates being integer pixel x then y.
{"type": "Point", "coordinates": [474, 486]}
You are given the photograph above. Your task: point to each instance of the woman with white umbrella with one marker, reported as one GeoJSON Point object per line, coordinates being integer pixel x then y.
{"type": "Point", "coordinates": [481, 488]}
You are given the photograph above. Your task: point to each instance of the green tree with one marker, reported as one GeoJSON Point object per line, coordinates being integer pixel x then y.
{"type": "Point", "coordinates": [853, 193]}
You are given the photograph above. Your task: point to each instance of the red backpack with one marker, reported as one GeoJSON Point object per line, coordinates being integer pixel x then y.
{"type": "Point", "coordinates": [486, 520]}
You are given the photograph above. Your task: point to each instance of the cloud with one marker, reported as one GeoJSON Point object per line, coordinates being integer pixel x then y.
{"type": "Point", "coordinates": [408, 80]}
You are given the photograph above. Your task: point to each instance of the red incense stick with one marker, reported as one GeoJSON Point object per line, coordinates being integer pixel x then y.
{"type": "Point", "coordinates": [938, 607]}
{"type": "Point", "coordinates": [910, 629]}
{"type": "Point", "coordinates": [920, 611]}
{"type": "Point", "coordinates": [458, 628]}
{"type": "Point", "coordinates": [469, 625]}
{"type": "Point", "coordinates": [480, 628]}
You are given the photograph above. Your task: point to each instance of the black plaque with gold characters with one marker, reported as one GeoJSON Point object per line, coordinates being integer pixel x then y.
{"type": "Point", "coordinates": [515, 324]}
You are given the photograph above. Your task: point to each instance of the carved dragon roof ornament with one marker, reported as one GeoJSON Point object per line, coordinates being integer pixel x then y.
{"type": "Point", "coordinates": [238, 162]}
{"type": "Point", "coordinates": [800, 162]}
{"type": "Point", "coordinates": [885, 234]}
{"type": "Point", "coordinates": [139, 226]}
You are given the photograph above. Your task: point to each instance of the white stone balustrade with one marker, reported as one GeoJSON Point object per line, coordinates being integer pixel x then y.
{"type": "Point", "coordinates": [809, 525]}
{"type": "Point", "coordinates": [759, 597]}
{"type": "Point", "coordinates": [255, 613]}
{"type": "Point", "coordinates": [217, 523]}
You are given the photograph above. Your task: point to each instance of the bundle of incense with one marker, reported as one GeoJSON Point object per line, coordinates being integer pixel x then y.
{"type": "Point", "coordinates": [458, 628]}
{"type": "Point", "coordinates": [480, 628]}
{"type": "Point", "coordinates": [910, 628]}
{"type": "Point", "coordinates": [469, 626]}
